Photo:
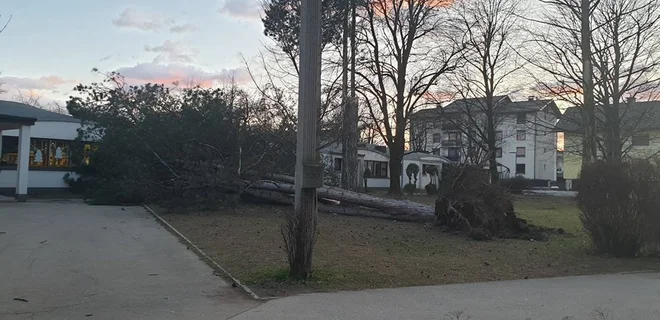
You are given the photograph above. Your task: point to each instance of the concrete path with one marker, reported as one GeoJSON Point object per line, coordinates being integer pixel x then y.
{"type": "Point", "coordinates": [68, 260]}
{"type": "Point", "coordinates": [624, 297]}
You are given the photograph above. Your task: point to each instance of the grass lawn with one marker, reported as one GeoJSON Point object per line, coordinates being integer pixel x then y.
{"type": "Point", "coordinates": [358, 253]}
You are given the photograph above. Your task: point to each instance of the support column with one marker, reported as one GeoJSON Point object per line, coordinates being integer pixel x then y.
{"type": "Point", "coordinates": [23, 162]}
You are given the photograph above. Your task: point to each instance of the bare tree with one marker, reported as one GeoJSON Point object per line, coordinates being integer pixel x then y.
{"type": "Point", "coordinates": [34, 99]}
{"type": "Point", "coordinates": [405, 49]}
{"type": "Point", "coordinates": [623, 40]}
{"type": "Point", "coordinates": [626, 44]}
{"type": "Point", "coordinates": [6, 23]}
{"type": "Point", "coordinates": [492, 39]}
{"type": "Point", "coordinates": [1, 30]}
{"type": "Point", "coordinates": [562, 52]}
{"type": "Point", "coordinates": [350, 134]}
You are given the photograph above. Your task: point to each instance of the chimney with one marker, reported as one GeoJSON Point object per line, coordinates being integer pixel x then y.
{"type": "Point", "coordinates": [531, 98]}
{"type": "Point", "coordinates": [631, 101]}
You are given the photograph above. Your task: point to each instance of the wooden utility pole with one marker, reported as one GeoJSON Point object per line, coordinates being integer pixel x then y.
{"type": "Point", "coordinates": [588, 109]}
{"type": "Point", "coordinates": [308, 170]}
{"type": "Point", "coordinates": [349, 169]}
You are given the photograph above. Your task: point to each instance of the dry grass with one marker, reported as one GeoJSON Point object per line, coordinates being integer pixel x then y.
{"type": "Point", "coordinates": [358, 253]}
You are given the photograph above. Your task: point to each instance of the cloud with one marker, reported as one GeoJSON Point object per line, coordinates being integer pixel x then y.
{"type": "Point", "coordinates": [42, 83]}
{"type": "Point", "coordinates": [248, 9]}
{"type": "Point", "coordinates": [182, 28]}
{"type": "Point", "coordinates": [179, 73]}
{"type": "Point", "coordinates": [137, 19]}
{"type": "Point", "coordinates": [172, 52]}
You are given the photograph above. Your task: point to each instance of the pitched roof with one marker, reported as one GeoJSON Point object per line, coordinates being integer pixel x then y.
{"type": "Point", "coordinates": [17, 109]}
{"type": "Point", "coordinates": [336, 148]}
{"type": "Point", "coordinates": [643, 115]}
{"type": "Point", "coordinates": [503, 104]}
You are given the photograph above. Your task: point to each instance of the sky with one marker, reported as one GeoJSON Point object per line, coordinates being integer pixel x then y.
{"type": "Point", "coordinates": [49, 46]}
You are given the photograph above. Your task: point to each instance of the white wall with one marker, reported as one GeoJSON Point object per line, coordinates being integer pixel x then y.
{"type": "Point", "coordinates": [52, 130]}
{"type": "Point", "coordinates": [422, 178]}
{"type": "Point", "coordinates": [36, 179]}
{"type": "Point", "coordinates": [540, 145]}
{"type": "Point", "coordinates": [369, 155]}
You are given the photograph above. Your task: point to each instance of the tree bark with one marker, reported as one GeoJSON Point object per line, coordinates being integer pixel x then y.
{"type": "Point", "coordinates": [398, 208]}
{"type": "Point", "coordinates": [396, 161]}
{"type": "Point", "coordinates": [588, 109]}
{"type": "Point", "coordinates": [356, 211]}
{"type": "Point", "coordinates": [347, 165]}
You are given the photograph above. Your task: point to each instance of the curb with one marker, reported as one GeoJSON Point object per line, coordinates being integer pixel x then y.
{"type": "Point", "coordinates": [203, 255]}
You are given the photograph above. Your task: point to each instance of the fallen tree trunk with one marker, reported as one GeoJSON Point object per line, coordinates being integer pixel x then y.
{"type": "Point", "coordinates": [287, 199]}
{"type": "Point", "coordinates": [398, 209]}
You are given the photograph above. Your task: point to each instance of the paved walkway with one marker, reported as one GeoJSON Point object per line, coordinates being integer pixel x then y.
{"type": "Point", "coordinates": [67, 260]}
{"type": "Point", "coordinates": [624, 297]}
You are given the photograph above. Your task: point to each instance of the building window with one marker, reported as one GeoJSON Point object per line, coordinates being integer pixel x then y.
{"type": "Point", "coordinates": [520, 152]}
{"type": "Point", "coordinates": [437, 137]}
{"type": "Point", "coordinates": [498, 136]}
{"type": "Point", "coordinates": [337, 164]}
{"type": "Point", "coordinates": [521, 135]}
{"type": "Point", "coordinates": [454, 136]}
{"type": "Point", "coordinates": [453, 154]}
{"type": "Point", "coordinates": [39, 153]}
{"type": "Point", "coordinates": [641, 140]}
{"type": "Point", "coordinates": [521, 118]}
{"type": "Point", "coordinates": [378, 168]}
{"type": "Point", "coordinates": [59, 154]}
{"type": "Point", "coordinates": [44, 153]}
{"type": "Point", "coordinates": [520, 168]}
{"type": "Point", "coordinates": [498, 152]}
{"type": "Point", "coordinates": [9, 152]}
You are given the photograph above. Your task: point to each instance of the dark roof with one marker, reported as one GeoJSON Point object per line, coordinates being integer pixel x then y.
{"type": "Point", "coordinates": [642, 115]}
{"type": "Point", "coordinates": [5, 119]}
{"type": "Point", "coordinates": [336, 148]}
{"type": "Point", "coordinates": [503, 104]}
{"type": "Point", "coordinates": [16, 109]}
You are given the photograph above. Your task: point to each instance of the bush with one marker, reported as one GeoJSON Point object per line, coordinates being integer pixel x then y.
{"type": "Point", "coordinates": [409, 189]}
{"type": "Point", "coordinates": [618, 204]}
{"type": "Point", "coordinates": [515, 185]}
{"type": "Point", "coordinates": [431, 189]}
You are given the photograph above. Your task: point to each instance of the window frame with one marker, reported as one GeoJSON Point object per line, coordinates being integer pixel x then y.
{"type": "Point", "coordinates": [646, 138]}
{"type": "Point", "coordinates": [337, 164]}
{"type": "Point", "coordinates": [70, 144]}
{"type": "Point", "coordinates": [458, 152]}
{"type": "Point", "coordinates": [518, 135]}
{"type": "Point", "coordinates": [498, 152]}
{"type": "Point", "coordinates": [377, 168]}
{"type": "Point", "coordinates": [524, 165]}
{"type": "Point", "coordinates": [521, 118]}
{"type": "Point", "coordinates": [524, 152]}
{"type": "Point", "coordinates": [456, 134]}
{"type": "Point", "coordinates": [437, 135]}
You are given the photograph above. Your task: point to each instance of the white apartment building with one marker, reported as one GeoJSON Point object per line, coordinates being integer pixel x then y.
{"type": "Point", "coordinates": [525, 136]}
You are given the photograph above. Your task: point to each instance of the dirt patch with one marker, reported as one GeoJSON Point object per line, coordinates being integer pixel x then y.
{"type": "Point", "coordinates": [354, 253]}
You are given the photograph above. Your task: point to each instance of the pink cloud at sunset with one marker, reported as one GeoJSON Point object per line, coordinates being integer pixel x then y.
{"type": "Point", "coordinates": [184, 74]}
{"type": "Point", "coordinates": [50, 82]}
